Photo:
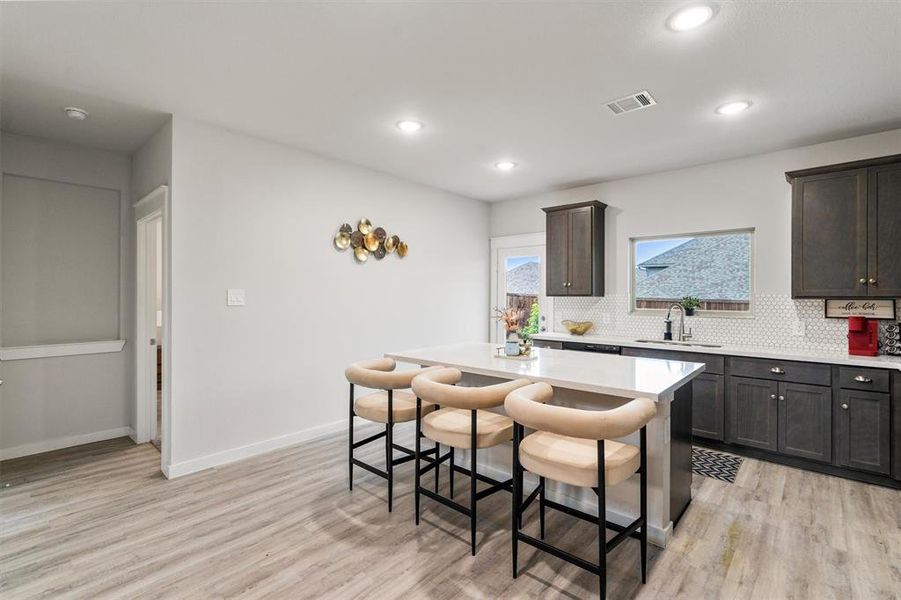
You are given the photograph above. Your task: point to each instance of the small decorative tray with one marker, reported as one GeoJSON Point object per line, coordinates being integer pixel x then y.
{"type": "Point", "coordinates": [522, 357]}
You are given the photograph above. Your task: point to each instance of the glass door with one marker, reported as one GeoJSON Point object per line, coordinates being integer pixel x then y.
{"type": "Point", "coordinates": [520, 286]}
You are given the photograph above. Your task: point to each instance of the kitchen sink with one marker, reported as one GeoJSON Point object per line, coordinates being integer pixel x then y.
{"type": "Point", "coordinates": [675, 343]}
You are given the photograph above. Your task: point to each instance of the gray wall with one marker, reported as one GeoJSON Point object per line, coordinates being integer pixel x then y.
{"type": "Point", "coordinates": [49, 402]}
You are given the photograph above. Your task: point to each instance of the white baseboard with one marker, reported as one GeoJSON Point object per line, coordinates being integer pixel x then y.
{"type": "Point", "coordinates": [133, 434]}
{"type": "Point", "coordinates": [64, 442]}
{"type": "Point", "coordinates": [228, 456]}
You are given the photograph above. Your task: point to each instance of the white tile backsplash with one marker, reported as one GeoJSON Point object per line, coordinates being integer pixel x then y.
{"type": "Point", "coordinates": [778, 322]}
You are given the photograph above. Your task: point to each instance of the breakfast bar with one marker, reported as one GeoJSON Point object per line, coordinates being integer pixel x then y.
{"type": "Point", "coordinates": [595, 381]}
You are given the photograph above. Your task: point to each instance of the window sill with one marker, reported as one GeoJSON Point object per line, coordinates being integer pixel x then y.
{"type": "Point", "coordinates": [55, 350]}
{"type": "Point", "coordinates": [716, 314]}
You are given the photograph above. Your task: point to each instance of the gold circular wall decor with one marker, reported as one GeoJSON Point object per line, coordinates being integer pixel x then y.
{"type": "Point", "coordinates": [370, 241]}
{"type": "Point", "coordinates": [342, 240]}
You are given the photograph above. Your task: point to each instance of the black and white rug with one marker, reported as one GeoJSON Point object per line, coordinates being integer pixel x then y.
{"type": "Point", "coordinates": [713, 464]}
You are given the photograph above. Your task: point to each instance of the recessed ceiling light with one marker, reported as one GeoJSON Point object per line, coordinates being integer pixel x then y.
{"type": "Point", "coordinates": [733, 108]}
{"type": "Point", "coordinates": [79, 114]}
{"type": "Point", "coordinates": [505, 165]}
{"type": "Point", "coordinates": [690, 17]}
{"type": "Point", "coordinates": [408, 126]}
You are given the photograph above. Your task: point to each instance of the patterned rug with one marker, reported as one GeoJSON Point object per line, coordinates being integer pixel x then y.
{"type": "Point", "coordinates": [713, 464]}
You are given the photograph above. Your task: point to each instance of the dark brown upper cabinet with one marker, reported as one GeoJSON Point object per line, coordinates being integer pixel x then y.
{"type": "Point", "coordinates": [575, 249]}
{"type": "Point", "coordinates": [846, 230]}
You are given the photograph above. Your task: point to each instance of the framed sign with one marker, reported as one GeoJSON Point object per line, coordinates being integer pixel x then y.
{"type": "Point", "coordinates": [872, 309]}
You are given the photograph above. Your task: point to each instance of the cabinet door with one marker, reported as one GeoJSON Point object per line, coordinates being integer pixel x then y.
{"type": "Point", "coordinates": [862, 431]}
{"type": "Point", "coordinates": [805, 421]}
{"type": "Point", "coordinates": [884, 205]}
{"type": "Point", "coordinates": [581, 250]}
{"type": "Point", "coordinates": [829, 235]}
{"type": "Point", "coordinates": [707, 406]}
{"type": "Point", "coordinates": [557, 247]}
{"type": "Point", "coordinates": [751, 412]}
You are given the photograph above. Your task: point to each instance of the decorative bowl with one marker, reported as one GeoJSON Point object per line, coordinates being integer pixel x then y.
{"type": "Point", "coordinates": [578, 327]}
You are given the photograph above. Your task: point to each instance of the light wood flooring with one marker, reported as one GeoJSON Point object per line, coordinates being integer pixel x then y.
{"type": "Point", "coordinates": [100, 521]}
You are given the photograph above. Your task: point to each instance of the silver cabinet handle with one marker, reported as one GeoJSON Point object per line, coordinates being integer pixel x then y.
{"type": "Point", "coordinates": [781, 397]}
{"type": "Point", "coordinates": [863, 280]}
{"type": "Point", "coordinates": [863, 379]}
{"type": "Point", "coordinates": [772, 396]}
{"type": "Point", "coordinates": [1, 382]}
{"type": "Point", "coordinates": [777, 371]}
{"type": "Point", "coordinates": [872, 281]}
{"type": "Point", "coordinates": [844, 407]}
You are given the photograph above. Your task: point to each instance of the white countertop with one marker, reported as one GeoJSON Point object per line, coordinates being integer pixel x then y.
{"type": "Point", "coordinates": [609, 374]}
{"type": "Point", "coordinates": [835, 358]}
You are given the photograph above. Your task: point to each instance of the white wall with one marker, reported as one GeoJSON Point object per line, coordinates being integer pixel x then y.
{"type": "Point", "coordinates": [747, 192]}
{"type": "Point", "coordinates": [247, 213]}
{"type": "Point", "coordinates": [152, 163]}
{"type": "Point", "coordinates": [50, 403]}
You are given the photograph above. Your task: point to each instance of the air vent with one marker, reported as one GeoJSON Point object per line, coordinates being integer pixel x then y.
{"type": "Point", "coordinates": [636, 101]}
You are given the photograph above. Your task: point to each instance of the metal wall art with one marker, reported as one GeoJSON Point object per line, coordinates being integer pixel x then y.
{"type": "Point", "coordinates": [368, 240]}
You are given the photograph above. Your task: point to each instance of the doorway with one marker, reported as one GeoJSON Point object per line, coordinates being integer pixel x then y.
{"type": "Point", "coordinates": [518, 282]}
{"type": "Point", "coordinates": [152, 322]}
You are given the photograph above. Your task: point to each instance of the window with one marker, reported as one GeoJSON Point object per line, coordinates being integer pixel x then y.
{"type": "Point", "coordinates": [714, 268]}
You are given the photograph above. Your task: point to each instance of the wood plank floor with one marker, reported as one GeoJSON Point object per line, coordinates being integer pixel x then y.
{"type": "Point", "coordinates": [100, 521]}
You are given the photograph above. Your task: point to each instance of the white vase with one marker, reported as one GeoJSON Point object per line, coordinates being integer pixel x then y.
{"type": "Point", "coordinates": [511, 348]}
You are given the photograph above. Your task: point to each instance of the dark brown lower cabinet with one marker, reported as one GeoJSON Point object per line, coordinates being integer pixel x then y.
{"type": "Point", "coordinates": [862, 429]}
{"type": "Point", "coordinates": [751, 412]}
{"type": "Point", "coordinates": [707, 406]}
{"type": "Point", "coordinates": [805, 421]}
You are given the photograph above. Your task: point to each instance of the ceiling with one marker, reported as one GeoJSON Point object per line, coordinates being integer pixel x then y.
{"type": "Point", "coordinates": [526, 82]}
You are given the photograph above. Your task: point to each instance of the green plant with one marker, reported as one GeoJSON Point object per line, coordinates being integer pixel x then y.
{"type": "Point", "coordinates": [690, 303]}
{"type": "Point", "coordinates": [532, 326]}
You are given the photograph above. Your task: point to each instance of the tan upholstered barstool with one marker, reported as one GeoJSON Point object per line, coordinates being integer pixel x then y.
{"type": "Point", "coordinates": [462, 422]}
{"type": "Point", "coordinates": [390, 404]}
{"type": "Point", "coordinates": [574, 446]}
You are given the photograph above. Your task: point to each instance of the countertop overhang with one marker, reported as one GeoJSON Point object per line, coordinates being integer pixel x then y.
{"type": "Point", "coordinates": [833, 358]}
{"type": "Point", "coordinates": [608, 374]}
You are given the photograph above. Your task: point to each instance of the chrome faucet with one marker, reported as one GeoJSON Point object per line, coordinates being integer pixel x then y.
{"type": "Point", "coordinates": [668, 333]}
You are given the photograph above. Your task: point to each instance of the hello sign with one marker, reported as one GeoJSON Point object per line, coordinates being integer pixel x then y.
{"type": "Point", "coordinates": [872, 309]}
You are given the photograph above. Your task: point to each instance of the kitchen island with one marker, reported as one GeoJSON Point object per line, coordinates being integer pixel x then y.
{"type": "Point", "coordinates": [595, 381]}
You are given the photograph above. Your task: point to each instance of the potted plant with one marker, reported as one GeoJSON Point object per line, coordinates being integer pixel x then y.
{"type": "Point", "coordinates": [510, 319]}
{"type": "Point", "coordinates": [690, 304]}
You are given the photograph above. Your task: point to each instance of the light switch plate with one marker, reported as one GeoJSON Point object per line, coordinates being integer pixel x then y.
{"type": "Point", "coordinates": [234, 297]}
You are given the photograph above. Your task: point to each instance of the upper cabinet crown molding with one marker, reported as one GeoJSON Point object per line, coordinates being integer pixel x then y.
{"type": "Point", "coordinates": [575, 249]}
{"type": "Point", "coordinates": [846, 230]}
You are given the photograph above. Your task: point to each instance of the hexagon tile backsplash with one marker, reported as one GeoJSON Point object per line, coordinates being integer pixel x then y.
{"type": "Point", "coordinates": [778, 321]}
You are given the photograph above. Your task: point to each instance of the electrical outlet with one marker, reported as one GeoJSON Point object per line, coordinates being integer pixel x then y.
{"type": "Point", "coordinates": [234, 297]}
{"type": "Point", "coordinates": [799, 328]}
{"type": "Point", "coordinates": [605, 318]}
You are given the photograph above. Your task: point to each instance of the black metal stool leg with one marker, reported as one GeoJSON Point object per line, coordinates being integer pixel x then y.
{"type": "Point", "coordinates": [602, 523]}
{"type": "Point", "coordinates": [472, 482]}
{"type": "Point", "coordinates": [452, 472]}
{"type": "Point", "coordinates": [643, 502]}
{"type": "Point", "coordinates": [438, 467]}
{"type": "Point", "coordinates": [350, 442]}
{"type": "Point", "coordinates": [517, 494]}
{"type": "Point", "coordinates": [541, 500]}
{"type": "Point", "coordinates": [418, 450]}
{"type": "Point", "coordinates": [389, 448]}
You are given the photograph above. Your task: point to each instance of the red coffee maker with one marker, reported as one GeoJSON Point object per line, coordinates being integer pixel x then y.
{"type": "Point", "coordinates": [863, 336]}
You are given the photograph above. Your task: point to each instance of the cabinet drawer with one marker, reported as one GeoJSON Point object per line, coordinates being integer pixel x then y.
{"type": "Point", "coordinates": [857, 378]}
{"type": "Point", "coordinates": [780, 370]}
{"type": "Point", "coordinates": [713, 364]}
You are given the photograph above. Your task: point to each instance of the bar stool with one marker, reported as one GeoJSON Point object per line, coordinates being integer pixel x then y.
{"type": "Point", "coordinates": [462, 424]}
{"type": "Point", "coordinates": [389, 405]}
{"type": "Point", "coordinates": [573, 446]}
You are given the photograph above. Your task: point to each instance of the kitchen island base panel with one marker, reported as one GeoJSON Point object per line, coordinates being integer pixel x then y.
{"type": "Point", "coordinates": [669, 481]}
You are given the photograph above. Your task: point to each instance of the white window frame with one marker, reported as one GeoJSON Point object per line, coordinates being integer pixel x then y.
{"type": "Point", "coordinates": [733, 314]}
